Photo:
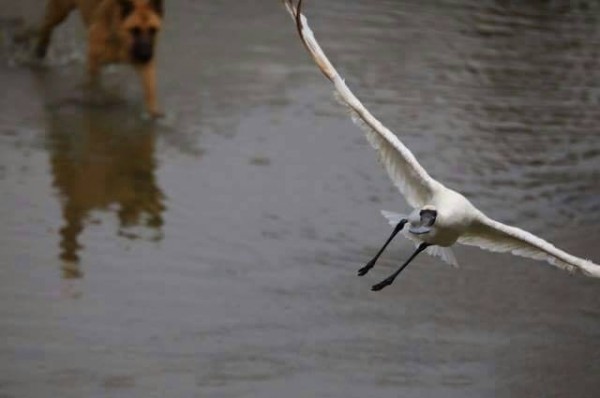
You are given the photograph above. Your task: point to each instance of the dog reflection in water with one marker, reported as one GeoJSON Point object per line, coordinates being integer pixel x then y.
{"type": "Point", "coordinates": [102, 161]}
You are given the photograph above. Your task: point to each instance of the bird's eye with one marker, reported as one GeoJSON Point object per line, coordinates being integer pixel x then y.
{"type": "Point", "coordinates": [152, 31]}
{"type": "Point", "coordinates": [135, 31]}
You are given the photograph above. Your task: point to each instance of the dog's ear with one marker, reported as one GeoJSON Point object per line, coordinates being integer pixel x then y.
{"type": "Point", "coordinates": [126, 7]}
{"type": "Point", "coordinates": [158, 6]}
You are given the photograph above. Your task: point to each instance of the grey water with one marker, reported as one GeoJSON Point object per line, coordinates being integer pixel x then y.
{"type": "Point", "coordinates": [213, 253]}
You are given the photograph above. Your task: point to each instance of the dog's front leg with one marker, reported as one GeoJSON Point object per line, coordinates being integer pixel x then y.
{"type": "Point", "coordinates": [148, 75]}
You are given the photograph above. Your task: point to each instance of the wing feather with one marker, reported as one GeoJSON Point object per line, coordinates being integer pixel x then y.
{"type": "Point", "coordinates": [492, 235]}
{"type": "Point", "coordinates": [406, 173]}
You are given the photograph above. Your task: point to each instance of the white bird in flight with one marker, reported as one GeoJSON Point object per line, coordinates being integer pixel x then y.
{"type": "Point", "coordinates": [442, 216]}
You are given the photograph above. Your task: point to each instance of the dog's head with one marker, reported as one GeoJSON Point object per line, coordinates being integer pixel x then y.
{"type": "Point", "coordinates": [141, 22]}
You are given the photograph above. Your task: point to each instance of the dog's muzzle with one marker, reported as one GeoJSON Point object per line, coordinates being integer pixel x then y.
{"type": "Point", "coordinates": [142, 51]}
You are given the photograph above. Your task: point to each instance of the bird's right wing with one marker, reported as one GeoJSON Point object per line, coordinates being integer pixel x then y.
{"type": "Point", "coordinates": [401, 165]}
{"type": "Point", "coordinates": [492, 235]}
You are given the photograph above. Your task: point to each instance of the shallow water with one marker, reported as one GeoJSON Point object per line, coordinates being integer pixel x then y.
{"type": "Point", "coordinates": [214, 253]}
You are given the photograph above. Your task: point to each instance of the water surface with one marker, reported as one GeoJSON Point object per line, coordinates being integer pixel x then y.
{"type": "Point", "coordinates": [213, 253]}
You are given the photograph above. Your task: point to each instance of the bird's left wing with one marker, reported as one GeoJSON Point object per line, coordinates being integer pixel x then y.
{"type": "Point", "coordinates": [407, 174]}
{"type": "Point", "coordinates": [492, 235]}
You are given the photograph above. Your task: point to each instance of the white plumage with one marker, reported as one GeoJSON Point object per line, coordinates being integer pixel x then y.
{"type": "Point", "coordinates": [455, 219]}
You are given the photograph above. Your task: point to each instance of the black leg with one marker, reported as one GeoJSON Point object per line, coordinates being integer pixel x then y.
{"type": "Point", "coordinates": [390, 279]}
{"type": "Point", "coordinates": [371, 263]}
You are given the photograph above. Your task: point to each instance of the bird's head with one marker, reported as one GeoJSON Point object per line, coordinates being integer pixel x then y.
{"type": "Point", "coordinates": [421, 220]}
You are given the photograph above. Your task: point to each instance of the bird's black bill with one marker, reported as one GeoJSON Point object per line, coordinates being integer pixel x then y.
{"type": "Point", "coordinates": [420, 230]}
{"type": "Point", "coordinates": [371, 264]}
{"type": "Point", "coordinates": [390, 279]}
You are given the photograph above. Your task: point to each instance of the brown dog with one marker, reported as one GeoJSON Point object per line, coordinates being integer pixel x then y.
{"type": "Point", "coordinates": [119, 31]}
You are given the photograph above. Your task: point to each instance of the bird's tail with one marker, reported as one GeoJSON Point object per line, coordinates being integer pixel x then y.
{"type": "Point", "coordinates": [393, 218]}
{"type": "Point", "coordinates": [444, 253]}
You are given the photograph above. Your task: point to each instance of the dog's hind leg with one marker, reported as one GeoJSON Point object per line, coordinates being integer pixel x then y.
{"type": "Point", "coordinates": [56, 12]}
{"type": "Point", "coordinates": [93, 69]}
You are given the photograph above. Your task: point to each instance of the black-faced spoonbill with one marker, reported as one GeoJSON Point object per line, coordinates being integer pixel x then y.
{"type": "Point", "coordinates": [442, 216]}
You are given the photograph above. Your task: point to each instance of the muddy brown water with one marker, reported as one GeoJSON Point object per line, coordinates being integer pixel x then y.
{"type": "Point", "coordinates": [214, 253]}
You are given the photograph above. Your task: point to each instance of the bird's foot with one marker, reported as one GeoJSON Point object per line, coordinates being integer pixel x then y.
{"type": "Point", "coordinates": [363, 271]}
{"type": "Point", "coordinates": [386, 282]}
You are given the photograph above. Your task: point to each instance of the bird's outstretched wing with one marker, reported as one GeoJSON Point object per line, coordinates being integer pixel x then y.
{"type": "Point", "coordinates": [492, 235]}
{"type": "Point", "coordinates": [407, 174]}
